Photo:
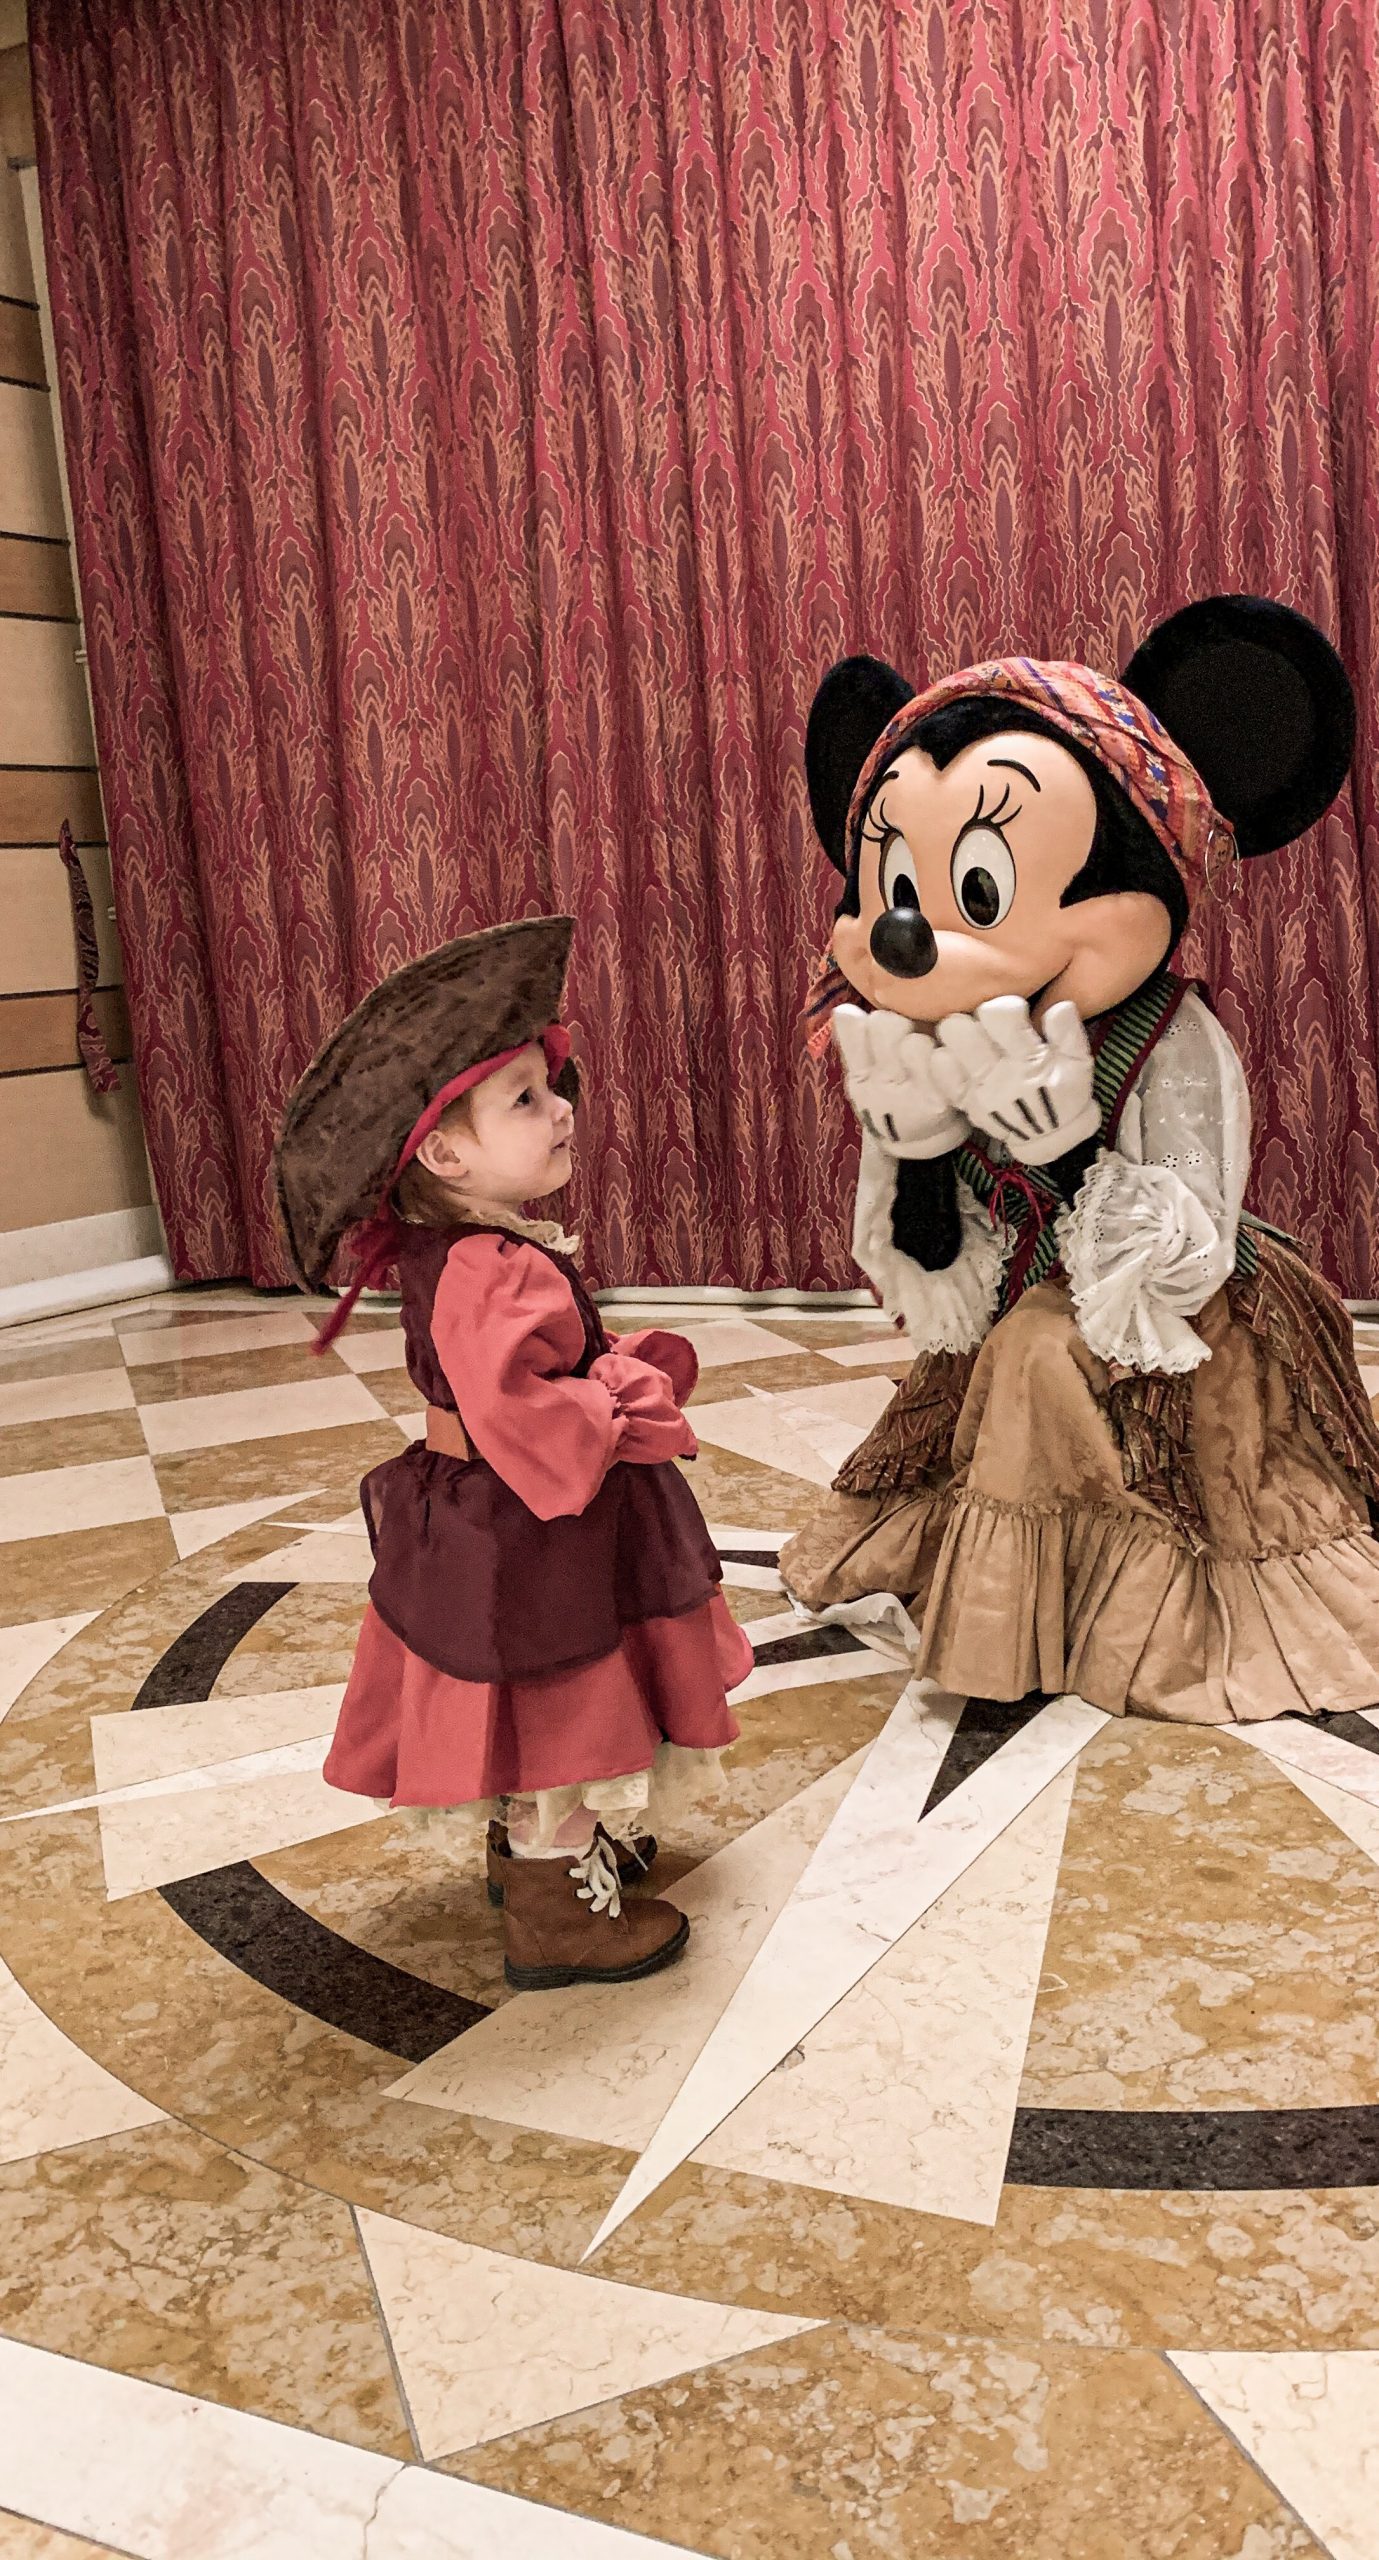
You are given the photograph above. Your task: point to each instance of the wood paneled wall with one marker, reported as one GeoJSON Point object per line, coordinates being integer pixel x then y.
{"type": "Point", "coordinates": [65, 1153]}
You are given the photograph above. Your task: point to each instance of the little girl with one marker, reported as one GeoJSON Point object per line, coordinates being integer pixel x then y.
{"type": "Point", "coordinates": [545, 1640]}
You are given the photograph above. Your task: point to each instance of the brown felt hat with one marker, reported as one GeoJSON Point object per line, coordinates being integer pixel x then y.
{"type": "Point", "coordinates": [350, 1117]}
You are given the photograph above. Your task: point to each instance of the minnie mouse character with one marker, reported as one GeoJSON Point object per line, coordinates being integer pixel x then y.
{"type": "Point", "coordinates": [1134, 1457]}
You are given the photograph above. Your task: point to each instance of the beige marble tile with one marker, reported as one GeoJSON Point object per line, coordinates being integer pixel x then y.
{"type": "Point", "coordinates": [177, 1337]}
{"type": "Point", "coordinates": [31, 1400]}
{"type": "Point", "coordinates": [487, 2344]}
{"type": "Point", "coordinates": [150, 1839]}
{"type": "Point", "coordinates": [195, 1530]}
{"type": "Point", "coordinates": [51, 2093]}
{"type": "Point", "coordinates": [290, 1464]}
{"type": "Point", "coordinates": [1311, 2423]}
{"type": "Point", "coordinates": [308, 1637]}
{"type": "Point", "coordinates": [853, 2445]}
{"type": "Point", "coordinates": [21, 1359]}
{"type": "Point", "coordinates": [365, 1350]}
{"type": "Point", "coordinates": [394, 1390]}
{"type": "Point", "coordinates": [129, 1750]}
{"type": "Point", "coordinates": [172, 2476]}
{"type": "Point", "coordinates": [54, 1576]}
{"type": "Point", "coordinates": [728, 1341]}
{"type": "Point", "coordinates": [55, 1501]}
{"type": "Point", "coordinates": [290, 1364]}
{"type": "Point", "coordinates": [72, 1440]}
{"type": "Point", "coordinates": [610, 2060]}
{"type": "Point", "coordinates": [24, 1650]}
{"type": "Point", "coordinates": [906, 2092]}
{"type": "Point", "coordinates": [255, 1413]}
{"type": "Point", "coordinates": [795, 1371]}
{"type": "Point", "coordinates": [876, 1871]}
{"type": "Point", "coordinates": [1214, 1939]}
{"type": "Point", "coordinates": [728, 1486]}
{"type": "Point", "coordinates": [158, 2253]}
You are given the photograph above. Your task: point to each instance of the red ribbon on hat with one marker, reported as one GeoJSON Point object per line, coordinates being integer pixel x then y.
{"type": "Point", "coordinates": [380, 1239]}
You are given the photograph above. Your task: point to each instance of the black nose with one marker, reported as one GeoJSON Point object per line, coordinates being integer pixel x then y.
{"type": "Point", "coordinates": [902, 942]}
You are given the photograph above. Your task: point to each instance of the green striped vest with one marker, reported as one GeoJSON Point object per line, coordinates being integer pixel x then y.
{"type": "Point", "coordinates": [1028, 1203]}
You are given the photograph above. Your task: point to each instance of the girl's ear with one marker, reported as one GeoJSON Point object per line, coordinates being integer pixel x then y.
{"type": "Point", "coordinates": [851, 708]}
{"type": "Point", "coordinates": [1262, 705]}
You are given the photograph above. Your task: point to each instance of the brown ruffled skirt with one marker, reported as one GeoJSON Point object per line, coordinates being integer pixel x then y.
{"type": "Point", "coordinates": [1200, 1549]}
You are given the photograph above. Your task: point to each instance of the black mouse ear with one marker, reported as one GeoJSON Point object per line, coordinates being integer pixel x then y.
{"type": "Point", "coordinates": [1259, 700]}
{"type": "Point", "coordinates": [851, 708]}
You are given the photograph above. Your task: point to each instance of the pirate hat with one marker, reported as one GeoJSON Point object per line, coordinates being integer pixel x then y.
{"type": "Point", "coordinates": [350, 1117]}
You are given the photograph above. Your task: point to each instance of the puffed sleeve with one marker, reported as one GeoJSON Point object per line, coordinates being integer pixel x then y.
{"type": "Point", "coordinates": [948, 1310]}
{"type": "Point", "coordinates": [1152, 1233]}
{"type": "Point", "coordinates": [677, 1359]}
{"type": "Point", "coordinates": [508, 1335]}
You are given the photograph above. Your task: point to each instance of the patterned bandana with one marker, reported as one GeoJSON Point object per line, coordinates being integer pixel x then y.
{"type": "Point", "coordinates": [1099, 715]}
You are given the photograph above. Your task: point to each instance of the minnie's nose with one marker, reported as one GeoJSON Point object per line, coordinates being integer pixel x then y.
{"type": "Point", "coordinates": [902, 942]}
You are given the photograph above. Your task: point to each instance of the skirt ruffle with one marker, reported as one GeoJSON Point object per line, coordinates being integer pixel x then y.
{"type": "Point", "coordinates": [1037, 1559]}
{"type": "Point", "coordinates": [410, 1734]}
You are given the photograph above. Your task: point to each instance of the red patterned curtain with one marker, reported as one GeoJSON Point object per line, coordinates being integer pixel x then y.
{"type": "Point", "coordinates": [486, 420]}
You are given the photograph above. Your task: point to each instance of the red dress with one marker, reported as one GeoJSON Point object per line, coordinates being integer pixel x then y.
{"type": "Point", "coordinates": [547, 1612]}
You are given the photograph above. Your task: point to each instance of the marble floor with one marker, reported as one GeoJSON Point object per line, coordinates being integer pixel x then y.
{"type": "Point", "coordinates": [1001, 2183]}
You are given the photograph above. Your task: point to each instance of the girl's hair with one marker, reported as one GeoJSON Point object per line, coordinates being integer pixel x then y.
{"type": "Point", "coordinates": [423, 1198]}
{"type": "Point", "coordinates": [1124, 853]}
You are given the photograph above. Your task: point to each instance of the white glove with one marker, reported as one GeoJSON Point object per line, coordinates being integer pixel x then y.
{"type": "Point", "coordinates": [1035, 1093]}
{"type": "Point", "coordinates": [888, 1068]}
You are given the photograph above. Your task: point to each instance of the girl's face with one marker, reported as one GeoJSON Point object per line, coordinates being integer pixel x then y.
{"type": "Point", "coordinates": [961, 880]}
{"type": "Point", "coordinates": [515, 1143]}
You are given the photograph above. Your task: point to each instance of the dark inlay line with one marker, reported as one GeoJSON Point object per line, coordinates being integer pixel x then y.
{"type": "Point", "coordinates": [985, 1723]}
{"type": "Point", "coordinates": [186, 1674]}
{"type": "Point", "coordinates": [749, 1555]}
{"type": "Point", "coordinates": [238, 1914]}
{"type": "Point", "coordinates": [241, 1916]}
{"type": "Point", "coordinates": [1231, 2149]}
{"type": "Point", "coordinates": [809, 1645]}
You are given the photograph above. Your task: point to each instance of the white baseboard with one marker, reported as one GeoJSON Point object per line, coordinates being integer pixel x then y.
{"type": "Point", "coordinates": [72, 1292]}
{"type": "Point", "coordinates": [68, 1245]}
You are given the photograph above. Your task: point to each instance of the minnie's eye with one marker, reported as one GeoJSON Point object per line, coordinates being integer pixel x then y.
{"type": "Point", "coordinates": [899, 887]}
{"type": "Point", "coordinates": [983, 875]}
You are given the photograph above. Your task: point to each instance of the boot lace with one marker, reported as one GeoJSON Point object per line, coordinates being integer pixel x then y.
{"type": "Point", "coordinates": [597, 1871]}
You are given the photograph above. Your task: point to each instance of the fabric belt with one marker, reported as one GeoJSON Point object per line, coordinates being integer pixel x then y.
{"type": "Point", "coordinates": [445, 1433]}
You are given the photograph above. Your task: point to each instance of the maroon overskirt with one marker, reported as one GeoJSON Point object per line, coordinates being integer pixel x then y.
{"type": "Point", "coordinates": [472, 1582]}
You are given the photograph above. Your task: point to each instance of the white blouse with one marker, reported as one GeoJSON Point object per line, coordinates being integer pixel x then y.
{"type": "Point", "coordinates": [1149, 1239]}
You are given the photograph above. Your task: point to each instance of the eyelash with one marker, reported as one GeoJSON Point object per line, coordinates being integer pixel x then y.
{"type": "Point", "coordinates": [998, 818]}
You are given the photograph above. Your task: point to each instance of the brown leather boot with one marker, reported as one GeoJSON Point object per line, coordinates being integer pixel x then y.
{"type": "Point", "coordinates": [565, 1921]}
{"type": "Point", "coordinates": [634, 1860]}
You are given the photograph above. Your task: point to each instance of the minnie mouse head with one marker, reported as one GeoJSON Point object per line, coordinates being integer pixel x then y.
{"type": "Point", "coordinates": [1035, 830]}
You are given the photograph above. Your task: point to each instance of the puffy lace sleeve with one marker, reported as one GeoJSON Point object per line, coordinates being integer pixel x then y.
{"type": "Point", "coordinates": [1151, 1235]}
{"type": "Point", "coordinates": [948, 1310]}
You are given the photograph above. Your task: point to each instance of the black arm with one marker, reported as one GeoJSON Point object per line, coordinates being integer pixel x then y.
{"type": "Point", "coordinates": [925, 1220]}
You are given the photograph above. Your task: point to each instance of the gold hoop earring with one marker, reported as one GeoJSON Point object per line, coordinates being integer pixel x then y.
{"type": "Point", "coordinates": [1223, 862]}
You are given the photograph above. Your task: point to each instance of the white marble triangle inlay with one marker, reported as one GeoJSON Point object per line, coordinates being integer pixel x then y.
{"type": "Point", "coordinates": [877, 1870]}
{"type": "Point", "coordinates": [147, 2470]}
{"type": "Point", "coordinates": [1311, 2423]}
{"type": "Point", "coordinates": [487, 2344]}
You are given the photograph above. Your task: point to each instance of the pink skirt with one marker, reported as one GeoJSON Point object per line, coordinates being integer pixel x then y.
{"type": "Point", "coordinates": [422, 1737]}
